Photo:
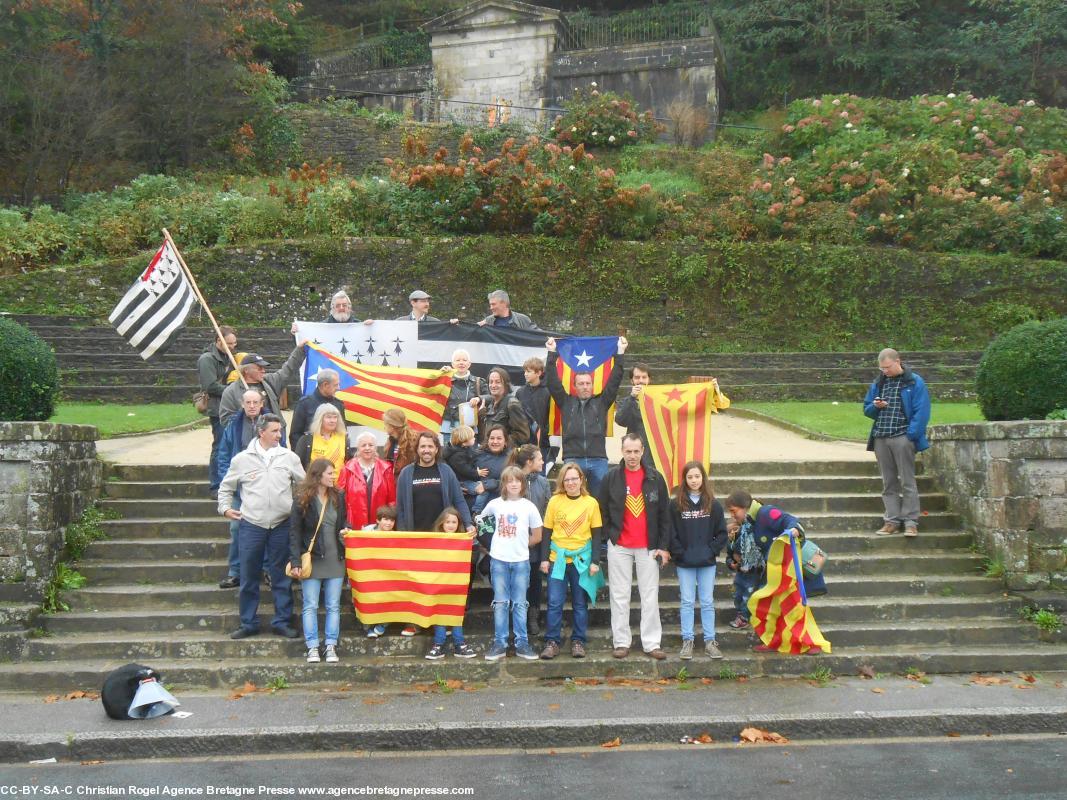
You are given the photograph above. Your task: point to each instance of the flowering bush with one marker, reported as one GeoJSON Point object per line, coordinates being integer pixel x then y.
{"type": "Point", "coordinates": [603, 119]}
{"type": "Point", "coordinates": [952, 172]}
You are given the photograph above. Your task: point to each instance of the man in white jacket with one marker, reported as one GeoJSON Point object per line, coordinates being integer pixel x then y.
{"type": "Point", "coordinates": [266, 474]}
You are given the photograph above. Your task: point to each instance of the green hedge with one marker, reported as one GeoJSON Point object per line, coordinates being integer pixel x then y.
{"type": "Point", "coordinates": [29, 378]}
{"type": "Point", "coordinates": [1023, 373]}
{"type": "Point", "coordinates": [689, 294]}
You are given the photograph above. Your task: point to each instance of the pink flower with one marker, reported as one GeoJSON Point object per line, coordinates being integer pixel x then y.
{"type": "Point", "coordinates": [788, 128]}
{"type": "Point", "coordinates": [631, 133]}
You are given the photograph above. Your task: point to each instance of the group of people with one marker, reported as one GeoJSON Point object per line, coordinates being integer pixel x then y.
{"type": "Point", "coordinates": [536, 545]}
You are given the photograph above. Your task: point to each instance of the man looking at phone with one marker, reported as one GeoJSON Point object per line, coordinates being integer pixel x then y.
{"type": "Point", "coordinates": [635, 507]}
{"type": "Point", "coordinates": [899, 404]}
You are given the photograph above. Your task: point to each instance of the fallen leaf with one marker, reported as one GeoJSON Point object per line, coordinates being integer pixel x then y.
{"type": "Point", "coordinates": [1026, 676]}
{"type": "Point", "coordinates": [1058, 684]}
{"type": "Point", "coordinates": [663, 681]}
{"type": "Point", "coordinates": [82, 696]}
{"type": "Point", "coordinates": [953, 734]}
{"type": "Point", "coordinates": [878, 690]}
{"type": "Point", "coordinates": [91, 763]}
{"type": "Point", "coordinates": [490, 711]}
{"type": "Point", "coordinates": [1023, 686]}
{"type": "Point", "coordinates": [705, 738]}
{"type": "Point", "coordinates": [453, 683]}
{"type": "Point", "coordinates": [616, 742]}
{"type": "Point", "coordinates": [760, 736]}
{"type": "Point", "coordinates": [706, 681]}
{"type": "Point", "coordinates": [588, 681]}
{"type": "Point", "coordinates": [52, 698]}
{"type": "Point", "coordinates": [915, 676]}
{"type": "Point", "coordinates": [373, 701]}
{"type": "Point", "coordinates": [989, 680]}
{"type": "Point", "coordinates": [866, 671]}
{"type": "Point", "coordinates": [248, 688]}
{"type": "Point", "coordinates": [553, 706]}
{"type": "Point", "coordinates": [741, 679]}
{"type": "Point", "coordinates": [552, 752]}
{"type": "Point", "coordinates": [608, 695]}
{"type": "Point", "coordinates": [653, 689]}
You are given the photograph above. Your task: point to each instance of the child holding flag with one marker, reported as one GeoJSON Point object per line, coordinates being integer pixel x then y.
{"type": "Point", "coordinates": [449, 522]}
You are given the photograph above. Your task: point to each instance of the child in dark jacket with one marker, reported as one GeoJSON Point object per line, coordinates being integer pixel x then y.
{"type": "Point", "coordinates": [462, 455]}
{"type": "Point", "coordinates": [698, 535]}
{"type": "Point", "coordinates": [491, 462]}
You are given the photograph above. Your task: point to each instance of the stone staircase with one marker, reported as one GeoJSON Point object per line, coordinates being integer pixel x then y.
{"type": "Point", "coordinates": [97, 364]}
{"type": "Point", "coordinates": [894, 604]}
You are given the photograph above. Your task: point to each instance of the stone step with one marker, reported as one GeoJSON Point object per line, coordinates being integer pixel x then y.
{"type": "Point", "coordinates": [48, 676]}
{"type": "Point", "coordinates": [199, 644]}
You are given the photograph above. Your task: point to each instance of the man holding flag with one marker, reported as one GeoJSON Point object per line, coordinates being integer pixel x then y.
{"type": "Point", "coordinates": [585, 414]}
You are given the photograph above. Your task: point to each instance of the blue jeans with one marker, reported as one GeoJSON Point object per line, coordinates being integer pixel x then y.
{"type": "Point", "coordinates": [310, 616]}
{"type": "Point", "coordinates": [216, 436]}
{"type": "Point", "coordinates": [745, 583]}
{"type": "Point", "coordinates": [595, 469]}
{"type": "Point", "coordinates": [510, 581]}
{"type": "Point", "coordinates": [253, 542]}
{"type": "Point", "coordinates": [234, 556]}
{"type": "Point", "coordinates": [440, 632]}
{"type": "Point", "coordinates": [692, 580]}
{"type": "Point", "coordinates": [482, 500]}
{"type": "Point", "coordinates": [557, 593]}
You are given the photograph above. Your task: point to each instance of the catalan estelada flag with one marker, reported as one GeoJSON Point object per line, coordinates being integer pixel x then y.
{"type": "Point", "coordinates": [780, 613]}
{"type": "Point", "coordinates": [419, 578]}
{"type": "Point", "coordinates": [595, 354]}
{"type": "Point", "coordinates": [369, 391]}
{"type": "Point", "coordinates": [677, 421]}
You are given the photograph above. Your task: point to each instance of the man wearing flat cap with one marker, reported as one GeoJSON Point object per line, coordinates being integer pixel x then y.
{"type": "Point", "coordinates": [420, 308]}
{"type": "Point", "coordinates": [270, 385]}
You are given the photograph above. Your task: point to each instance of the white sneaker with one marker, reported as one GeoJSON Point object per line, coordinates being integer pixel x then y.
{"type": "Point", "coordinates": [313, 655]}
{"type": "Point", "coordinates": [331, 654]}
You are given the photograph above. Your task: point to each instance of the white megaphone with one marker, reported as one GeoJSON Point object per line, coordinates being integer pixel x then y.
{"type": "Point", "coordinates": [151, 700]}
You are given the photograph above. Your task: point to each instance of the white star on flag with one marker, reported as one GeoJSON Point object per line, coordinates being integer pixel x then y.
{"type": "Point", "coordinates": [583, 359]}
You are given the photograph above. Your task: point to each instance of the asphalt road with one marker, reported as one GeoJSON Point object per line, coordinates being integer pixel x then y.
{"type": "Point", "coordinates": [1028, 768]}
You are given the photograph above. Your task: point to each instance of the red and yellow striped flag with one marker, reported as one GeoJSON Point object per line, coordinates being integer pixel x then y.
{"type": "Point", "coordinates": [420, 578]}
{"type": "Point", "coordinates": [678, 425]}
{"type": "Point", "coordinates": [779, 614]}
{"type": "Point", "coordinates": [368, 391]}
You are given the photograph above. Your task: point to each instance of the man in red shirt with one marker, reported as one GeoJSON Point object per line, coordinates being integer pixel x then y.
{"type": "Point", "coordinates": [635, 507]}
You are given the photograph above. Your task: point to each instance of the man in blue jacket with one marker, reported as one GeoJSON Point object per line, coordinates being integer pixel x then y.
{"type": "Point", "coordinates": [899, 404]}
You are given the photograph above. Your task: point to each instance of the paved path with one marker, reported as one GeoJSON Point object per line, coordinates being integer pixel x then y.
{"type": "Point", "coordinates": [733, 439]}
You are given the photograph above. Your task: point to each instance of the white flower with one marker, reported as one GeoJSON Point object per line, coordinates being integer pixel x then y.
{"type": "Point", "coordinates": [571, 167]}
{"type": "Point", "coordinates": [951, 95]}
{"type": "Point", "coordinates": [611, 138]}
{"type": "Point", "coordinates": [905, 172]}
{"type": "Point", "coordinates": [593, 84]}
{"type": "Point", "coordinates": [974, 129]}
{"type": "Point", "coordinates": [836, 102]}
{"type": "Point", "coordinates": [593, 133]}
{"type": "Point", "coordinates": [985, 181]}
{"type": "Point", "coordinates": [848, 124]}
{"type": "Point", "coordinates": [574, 129]}
{"type": "Point", "coordinates": [1031, 103]}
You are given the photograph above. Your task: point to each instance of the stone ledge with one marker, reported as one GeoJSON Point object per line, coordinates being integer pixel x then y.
{"type": "Point", "coordinates": [986, 431]}
{"type": "Point", "coordinates": [46, 432]}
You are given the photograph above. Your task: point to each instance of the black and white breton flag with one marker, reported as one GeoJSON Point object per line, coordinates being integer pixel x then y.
{"type": "Point", "coordinates": [429, 345]}
{"type": "Point", "coordinates": [152, 312]}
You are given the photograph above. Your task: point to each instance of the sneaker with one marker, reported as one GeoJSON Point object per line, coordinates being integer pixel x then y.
{"type": "Point", "coordinates": [887, 529]}
{"type": "Point", "coordinates": [331, 654]}
{"type": "Point", "coordinates": [463, 651]}
{"type": "Point", "coordinates": [911, 530]}
{"type": "Point", "coordinates": [409, 630]}
{"type": "Point", "coordinates": [230, 582]}
{"type": "Point", "coordinates": [739, 623]}
{"type": "Point", "coordinates": [313, 655]}
{"type": "Point", "coordinates": [686, 653]}
{"type": "Point", "coordinates": [376, 631]}
{"type": "Point", "coordinates": [526, 652]}
{"type": "Point", "coordinates": [712, 649]}
{"type": "Point", "coordinates": [577, 649]}
{"type": "Point", "coordinates": [436, 653]}
{"type": "Point", "coordinates": [551, 650]}
{"type": "Point", "coordinates": [496, 652]}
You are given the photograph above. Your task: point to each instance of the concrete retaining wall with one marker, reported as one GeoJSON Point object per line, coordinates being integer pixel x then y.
{"type": "Point", "coordinates": [1009, 480]}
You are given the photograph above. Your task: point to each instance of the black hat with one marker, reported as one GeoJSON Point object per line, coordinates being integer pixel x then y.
{"type": "Point", "coordinates": [254, 358]}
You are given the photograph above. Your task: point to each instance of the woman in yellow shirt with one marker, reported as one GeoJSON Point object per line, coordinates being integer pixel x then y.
{"type": "Point", "coordinates": [572, 529]}
{"type": "Point", "coordinates": [326, 438]}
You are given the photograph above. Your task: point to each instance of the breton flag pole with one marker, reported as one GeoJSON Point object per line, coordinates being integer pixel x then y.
{"type": "Point", "coordinates": [205, 306]}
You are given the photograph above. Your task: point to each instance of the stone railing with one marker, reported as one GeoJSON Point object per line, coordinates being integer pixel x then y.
{"type": "Point", "coordinates": [49, 475]}
{"type": "Point", "coordinates": [1009, 480]}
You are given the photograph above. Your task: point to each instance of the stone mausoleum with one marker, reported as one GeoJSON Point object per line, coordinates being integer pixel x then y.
{"type": "Point", "coordinates": [500, 60]}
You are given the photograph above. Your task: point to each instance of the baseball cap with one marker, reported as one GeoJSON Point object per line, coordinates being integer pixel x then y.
{"type": "Point", "coordinates": [254, 358]}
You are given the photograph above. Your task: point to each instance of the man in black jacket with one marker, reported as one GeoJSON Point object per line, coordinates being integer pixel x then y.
{"type": "Point", "coordinates": [585, 415]}
{"type": "Point", "coordinates": [328, 383]}
{"type": "Point", "coordinates": [635, 508]}
{"type": "Point", "coordinates": [212, 368]}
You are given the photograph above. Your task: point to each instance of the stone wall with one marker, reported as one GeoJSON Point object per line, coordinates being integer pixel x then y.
{"type": "Point", "coordinates": [360, 144]}
{"type": "Point", "coordinates": [1009, 479]}
{"type": "Point", "coordinates": [49, 475]}
{"type": "Point", "coordinates": [654, 74]}
{"type": "Point", "coordinates": [401, 89]}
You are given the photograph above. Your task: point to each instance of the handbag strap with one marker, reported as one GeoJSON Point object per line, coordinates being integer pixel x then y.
{"type": "Point", "coordinates": [322, 513]}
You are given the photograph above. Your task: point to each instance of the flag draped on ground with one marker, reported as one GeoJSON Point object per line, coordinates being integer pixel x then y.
{"type": "Point", "coordinates": [369, 391]}
{"type": "Point", "coordinates": [594, 354]}
{"type": "Point", "coordinates": [677, 421]}
{"type": "Point", "coordinates": [151, 314]}
{"type": "Point", "coordinates": [419, 578]}
{"type": "Point", "coordinates": [780, 614]}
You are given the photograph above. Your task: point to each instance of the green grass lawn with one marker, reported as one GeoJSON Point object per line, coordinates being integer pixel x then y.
{"type": "Point", "coordinates": [846, 420]}
{"type": "Point", "coordinates": [111, 420]}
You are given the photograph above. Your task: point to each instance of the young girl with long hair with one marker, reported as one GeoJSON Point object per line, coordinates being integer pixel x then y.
{"type": "Point", "coordinates": [449, 522]}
